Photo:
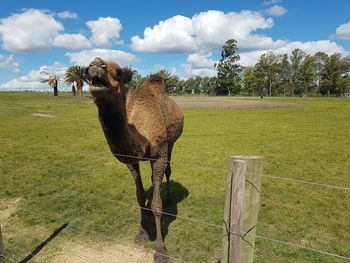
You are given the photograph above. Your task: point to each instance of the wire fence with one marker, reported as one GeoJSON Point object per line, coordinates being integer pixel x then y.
{"type": "Point", "coordinates": [205, 222]}
{"type": "Point", "coordinates": [216, 169]}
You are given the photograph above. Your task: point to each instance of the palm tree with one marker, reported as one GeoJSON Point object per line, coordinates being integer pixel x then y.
{"type": "Point", "coordinates": [164, 74]}
{"type": "Point", "coordinates": [52, 80]}
{"type": "Point", "coordinates": [76, 74]}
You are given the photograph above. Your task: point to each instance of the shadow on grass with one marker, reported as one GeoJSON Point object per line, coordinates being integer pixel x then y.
{"type": "Point", "coordinates": [177, 193]}
{"type": "Point", "coordinates": [44, 243]}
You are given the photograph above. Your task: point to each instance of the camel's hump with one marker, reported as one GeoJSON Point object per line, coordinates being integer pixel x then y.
{"type": "Point", "coordinates": [155, 82]}
{"type": "Point", "coordinates": [156, 78]}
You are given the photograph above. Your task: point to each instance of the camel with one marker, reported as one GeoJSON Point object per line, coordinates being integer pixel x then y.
{"type": "Point", "coordinates": [145, 127]}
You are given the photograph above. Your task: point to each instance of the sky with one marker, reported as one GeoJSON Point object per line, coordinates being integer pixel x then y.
{"type": "Point", "coordinates": [183, 37]}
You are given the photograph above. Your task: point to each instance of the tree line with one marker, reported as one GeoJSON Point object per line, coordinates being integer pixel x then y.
{"type": "Point", "coordinates": [295, 74]}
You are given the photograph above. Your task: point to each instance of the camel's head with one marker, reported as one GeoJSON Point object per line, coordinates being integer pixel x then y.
{"type": "Point", "coordinates": [106, 78]}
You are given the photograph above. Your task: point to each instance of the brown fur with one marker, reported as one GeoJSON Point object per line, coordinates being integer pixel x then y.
{"type": "Point", "coordinates": [146, 126]}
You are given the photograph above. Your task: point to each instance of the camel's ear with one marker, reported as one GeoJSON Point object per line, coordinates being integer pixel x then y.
{"type": "Point", "coordinates": [127, 75]}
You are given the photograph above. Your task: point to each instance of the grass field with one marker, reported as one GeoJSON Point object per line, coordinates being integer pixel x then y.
{"type": "Point", "coordinates": [56, 166]}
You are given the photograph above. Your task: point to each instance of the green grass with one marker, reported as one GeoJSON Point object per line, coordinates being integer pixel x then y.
{"type": "Point", "coordinates": [41, 158]}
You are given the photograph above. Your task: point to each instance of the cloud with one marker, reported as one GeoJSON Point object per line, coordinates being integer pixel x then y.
{"type": "Point", "coordinates": [204, 32]}
{"type": "Point", "coordinates": [271, 2]}
{"type": "Point", "coordinates": [343, 32]}
{"type": "Point", "coordinates": [67, 15]}
{"type": "Point", "coordinates": [9, 62]}
{"type": "Point", "coordinates": [198, 60]}
{"type": "Point", "coordinates": [190, 71]}
{"type": "Point", "coordinates": [31, 81]}
{"type": "Point", "coordinates": [276, 10]}
{"type": "Point", "coordinates": [84, 57]}
{"type": "Point", "coordinates": [310, 47]}
{"type": "Point", "coordinates": [32, 30]}
{"type": "Point", "coordinates": [199, 64]}
{"type": "Point", "coordinates": [173, 35]}
{"type": "Point", "coordinates": [105, 31]}
{"type": "Point", "coordinates": [213, 28]}
{"type": "Point", "coordinates": [71, 41]}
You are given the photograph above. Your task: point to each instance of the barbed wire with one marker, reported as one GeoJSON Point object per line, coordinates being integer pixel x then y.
{"type": "Point", "coordinates": [213, 225]}
{"type": "Point", "coordinates": [25, 249]}
{"type": "Point", "coordinates": [224, 170]}
{"type": "Point", "coordinates": [200, 221]}
{"type": "Point", "coordinates": [42, 257]}
{"type": "Point", "coordinates": [77, 229]}
{"type": "Point", "coordinates": [308, 182]}
{"type": "Point", "coordinates": [109, 237]}
{"type": "Point", "coordinates": [242, 234]}
{"type": "Point", "coordinates": [303, 247]}
{"type": "Point", "coordinates": [209, 168]}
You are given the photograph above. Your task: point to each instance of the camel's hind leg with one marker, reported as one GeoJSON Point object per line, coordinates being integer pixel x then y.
{"type": "Point", "coordinates": [158, 169]}
{"type": "Point", "coordinates": [134, 169]}
{"type": "Point", "coordinates": [168, 173]}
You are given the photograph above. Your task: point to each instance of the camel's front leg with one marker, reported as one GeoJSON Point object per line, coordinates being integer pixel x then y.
{"type": "Point", "coordinates": [142, 235]}
{"type": "Point", "coordinates": [158, 169]}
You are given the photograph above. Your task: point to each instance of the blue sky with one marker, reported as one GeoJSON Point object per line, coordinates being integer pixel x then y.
{"type": "Point", "coordinates": [184, 37]}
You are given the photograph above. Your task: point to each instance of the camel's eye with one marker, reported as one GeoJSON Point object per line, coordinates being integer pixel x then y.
{"type": "Point", "coordinates": [103, 65]}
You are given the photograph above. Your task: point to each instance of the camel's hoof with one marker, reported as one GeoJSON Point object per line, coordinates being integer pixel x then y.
{"type": "Point", "coordinates": [142, 236]}
{"type": "Point", "coordinates": [161, 256]}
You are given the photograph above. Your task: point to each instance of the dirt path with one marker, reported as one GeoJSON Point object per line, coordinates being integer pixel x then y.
{"type": "Point", "coordinates": [81, 252]}
{"type": "Point", "coordinates": [227, 103]}
{"type": "Point", "coordinates": [63, 248]}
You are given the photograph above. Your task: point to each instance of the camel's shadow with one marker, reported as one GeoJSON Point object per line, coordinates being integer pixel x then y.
{"type": "Point", "coordinates": [177, 193]}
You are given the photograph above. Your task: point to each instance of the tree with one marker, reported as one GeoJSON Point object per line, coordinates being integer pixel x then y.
{"type": "Point", "coordinates": [173, 84]}
{"type": "Point", "coordinates": [135, 82]}
{"type": "Point", "coordinates": [249, 81]}
{"type": "Point", "coordinates": [331, 71]}
{"type": "Point", "coordinates": [296, 58]}
{"type": "Point", "coordinates": [207, 85]}
{"type": "Point", "coordinates": [164, 74]}
{"type": "Point", "coordinates": [269, 67]}
{"type": "Point", "coordinates": [285, 75]}
{"type": "Point", "coordinates": [74, 91]}
{"type": "Point", "coordinates": [52, 80]}
{"type": "Point", "coordinates": [307, 74]}
{"type": "Point", "coordinates": [76, 74]}
{"type": "Point", "coordinates": [191, 85]}
{"type": "Point", "coordinates": [228, 70]}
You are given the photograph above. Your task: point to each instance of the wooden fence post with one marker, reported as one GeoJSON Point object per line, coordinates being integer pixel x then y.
{"type": "Point", "coordinates": [2, 252]}
{"type": "Point", "coordinates": [246, 210]}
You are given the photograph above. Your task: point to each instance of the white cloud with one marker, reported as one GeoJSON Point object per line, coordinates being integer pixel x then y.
{"type": "Point", "coordinates": [204, 31]}
{"type": "Point", "coordinates": [105, 31]}
{"type": "Point", "coordinates": [310, 47]}
{"type": "Point", "coordinates": [171, 35]}
{"type": "Point", "coordinates": [31, 81]}
{"type": "Point", "coordinates": [214, 28]}
{"type": "Point", "coordinates": [10, 63]}
{"type": "Point", "coordinates": [190, 71]}
{"type": "Point", "coordinates": [198, 64]}
{"type": "Point", "coordinates": [276, 10]}
{"type": "Point", "coordinates": [343, 31]}
{"type": "Point", "coordinates": [31, 30]}
{"type": "Point", "coordinates": [67, 15]}
{"type": "Point", "coordinates": [198, 60]}
{"type": "Point", "coordinates": [71, 41]}
{"type": "Point", "coordinates": [84, 57]}
{"type": "Point", "coordinates": [271, 2]}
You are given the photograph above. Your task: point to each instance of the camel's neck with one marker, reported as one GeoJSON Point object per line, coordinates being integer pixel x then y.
{"type": "Point", "coordinates": [112, 115]}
